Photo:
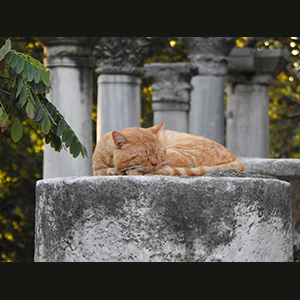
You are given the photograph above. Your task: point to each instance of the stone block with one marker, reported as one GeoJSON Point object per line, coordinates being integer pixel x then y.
{"type": "Point", "coordinates": [160, 218]}
{"type": "Point", "coordinates": [284, 169]}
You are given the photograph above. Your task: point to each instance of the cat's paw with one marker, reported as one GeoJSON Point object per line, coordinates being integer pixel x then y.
{"type": "Point", "coordinates": [111, 172]}
{"type": "Point", "coordinates": [134, 172]}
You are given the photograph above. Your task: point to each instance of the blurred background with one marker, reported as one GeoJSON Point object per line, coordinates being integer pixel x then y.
{"type": "Point", "coordinates": [21, 163]}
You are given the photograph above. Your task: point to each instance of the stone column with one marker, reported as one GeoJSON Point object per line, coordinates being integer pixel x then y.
{"type": "Point", "coordinates": [171, 93]}
{"type": "Point", "coordinates": [209, 54]}
{"type": "Point", "coordinates": [251, 74]}
{"type": "Point", "coordinates": [120, 65]}
{"type": "Point", "coordinates": [70, 65]}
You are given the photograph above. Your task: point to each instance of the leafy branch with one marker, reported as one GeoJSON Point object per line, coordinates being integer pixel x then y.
{"type": "Point", "coordinates": [28, 81]}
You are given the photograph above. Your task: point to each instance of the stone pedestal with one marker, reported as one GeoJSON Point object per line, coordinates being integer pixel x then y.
{"type": "Point", "coordinates": [209, 54]}
{"type": "Point", "coordinates": [71, 75]}
{"type": "Point", "coordinates": [251, 74]}
{"type": "Point", "coordinates": [158, 218]}
{"type": "Point", "coordinates": [120, 62]}
{"type": "Point", "coordinates": [171, 93]}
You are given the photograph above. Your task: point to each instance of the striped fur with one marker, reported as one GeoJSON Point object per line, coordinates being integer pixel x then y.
{"type": "Point", "coordinates": [138, 151]}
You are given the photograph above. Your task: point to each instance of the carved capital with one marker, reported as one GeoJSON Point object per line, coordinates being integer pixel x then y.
{"type": "Point", "coordinates": [171, 81]}
{"type": "Point", "coordinates": [209, 54]}
{"type": "Point", "coordinates": [250, 66]}
{"type": "Point", "coordinates": [68, 46]}
{"type": "Point", "coordinates": [123, 55]}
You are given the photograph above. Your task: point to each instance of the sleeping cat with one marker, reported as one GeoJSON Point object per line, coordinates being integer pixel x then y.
{"type": "Point", "coordinates": [139, 151]}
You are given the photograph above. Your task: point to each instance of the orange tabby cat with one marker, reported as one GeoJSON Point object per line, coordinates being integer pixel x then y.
{"type": "Point", "coordinates": [139, 151]}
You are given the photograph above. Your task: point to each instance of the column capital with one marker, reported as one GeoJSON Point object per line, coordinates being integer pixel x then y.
{"type": "Point", "coordinates": [171, 81]}
{"type": "Point", "coordinates": [68, 46]}
{"type": "Point", "coordinates": [123, 55]}
{"type": "Point", "coordinates": [209, 54]}
{"type": "Point", "coordinates": [250, 66]}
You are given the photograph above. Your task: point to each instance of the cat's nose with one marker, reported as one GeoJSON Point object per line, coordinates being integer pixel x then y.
{"type": "Point", "coordinates": [154, 164]}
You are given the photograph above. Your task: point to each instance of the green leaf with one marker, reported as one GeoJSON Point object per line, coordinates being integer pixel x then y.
{"type": "Point", "coordinates": [48, 138]}
{"type": "Point", "coordinates": [39, 112]}
{"type": "Point", "coordinates": [14, 61]}
{"type": "Point", "coordinates": [30, 110]}
{"type": "Point", "coordinates": [16, 130]}
{"type": "Point", "coordinates": [77, 149]}
{"type": "Point", "coordinates": [50, 107]}
{"type": "Point", "coordinates": [8, 58]}
{"type": "Point", "coordinates": [69, 138]}
{"type": "Point", "coordinates": [20, 86]}
{"type": "Point", "coordinates": [12, 81]}
{"type": "Point", "coordinates": [61, 127]}
{"type": "Point", "coordinates": [3, 119]}
{"type": "Point", "coordinates": [84, 152]}
{"type": "Point", "coordinates": [46, 79]}
{"type": "Point", "coordinates": [23, 96]}
{"type": "Point", "coordinates": [45, 125]}
{"type": "Point", "coordinates": [41, 87]}
{"type": "Point", "coordinates": [5, 49]}
{"type": "Point", "coordinates": [25, 70]}
{"type": "Point", "coordinates": [7, 46]}
{"type": "Point", "coordinates": [73, 144]}
{"type": "Point", "coordinates": [52, 111]}
{"type": "Point", "coordinates": [2, 53]}
{"type": "Point", "coordinates": [56, 143]}
{"type": "Point", "coordinates": [37, 75]}
{"type": "Point", "coordinates": [67, 134]}
{"type": "Point", "coordinates": [20, 65]}
{"type": "Point", "coordinates": [30, 74]}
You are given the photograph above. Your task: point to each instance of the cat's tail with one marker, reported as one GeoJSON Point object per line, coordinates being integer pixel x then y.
{"type": "Point", "coordinates": [167, 170]}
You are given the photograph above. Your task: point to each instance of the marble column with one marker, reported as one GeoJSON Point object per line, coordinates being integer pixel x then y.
{"type": "Point", "coordinates": [209, 54]}
{"type": "Point", "coordinates": [171, 93]}
{"type": "Point", "coordinates": [120, 62]}
{"type": "Point", "coordinates": [251, 73]}
{"type": "Point", "coordinates": [70, 65]}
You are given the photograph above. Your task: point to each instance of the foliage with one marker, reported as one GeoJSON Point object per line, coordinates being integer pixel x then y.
{"type": "Point", "coordinates": [20, 167]}
{"type": "Point", "coordinates": [20, 163]}
{"type": "Point", "coordinates": [29, 80]}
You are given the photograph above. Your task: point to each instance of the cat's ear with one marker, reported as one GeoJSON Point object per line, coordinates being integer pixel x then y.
{"type": "Point", "coordinates": [119, 139]}
{"type": "Point", "coordinates": [157, 128]}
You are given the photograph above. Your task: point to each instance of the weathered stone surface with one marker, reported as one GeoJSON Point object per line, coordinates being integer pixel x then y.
{"type": "Point", "coordinates": [251, 72]}
{"type": "Point", "coordinates": [227, 173]}
{"type": "Point", "coordinates": [284, 169]}
{"type": "Point", "coordinates": [123, 55]}
{"type": "Point", "coordinates": [68, 46]}
{"type": "Point", "coordinates": [157, 218]}
{"type": "Point", "coordinates": [171, 93]}
{"type": "Point", "coordinates": [250, 66]}
{"type": "Point", "coordinates": [210, 55]}
{"type": "Point", "coordinates": [119, 103]}
{"type": "Point", "coordinates": [248, 137]}
{"type": "Point", "coordinates": [280, 168]}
